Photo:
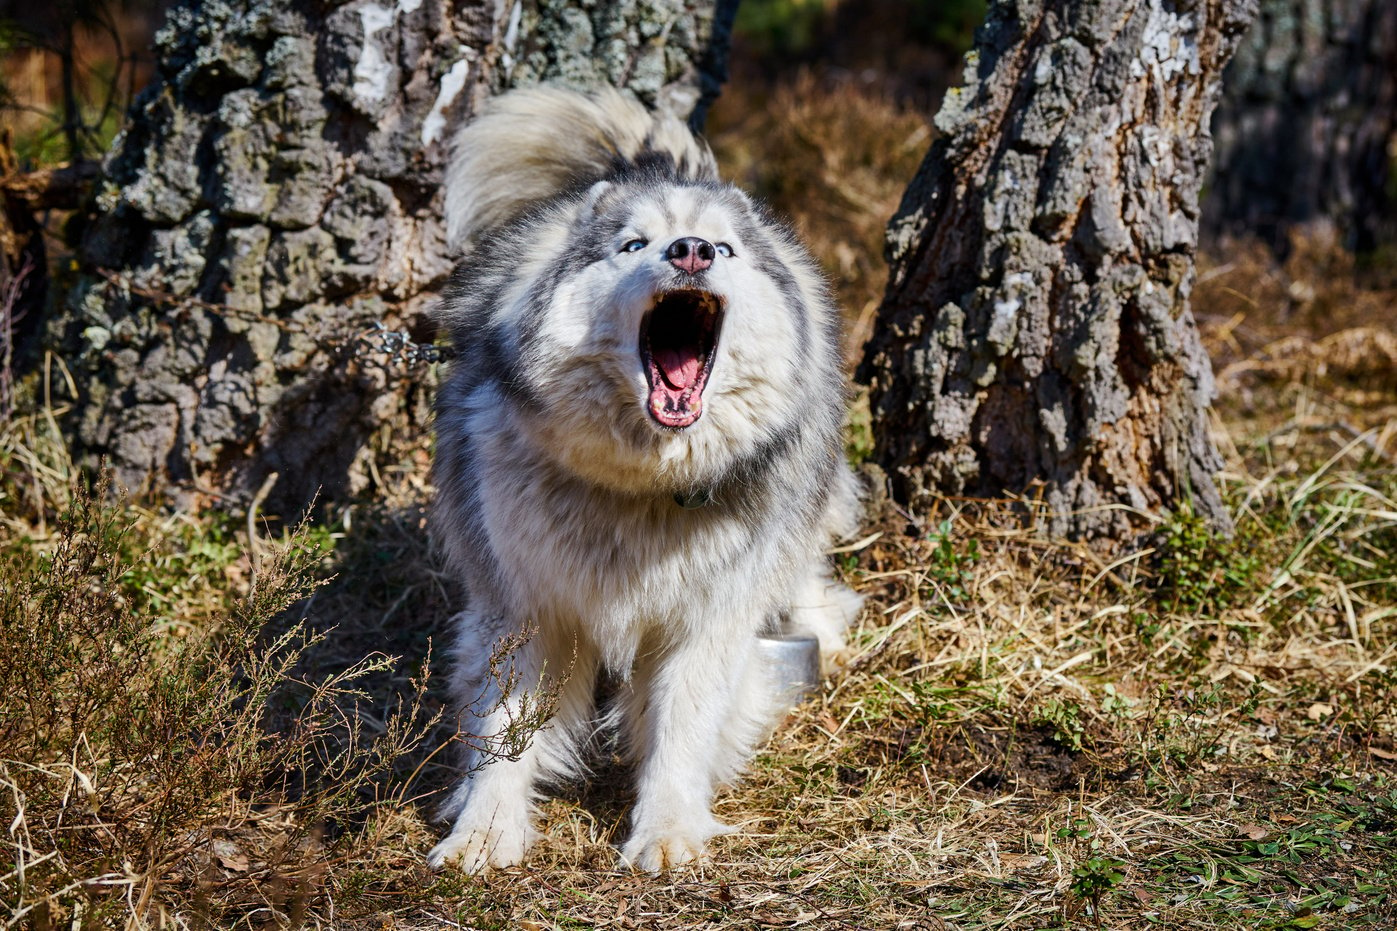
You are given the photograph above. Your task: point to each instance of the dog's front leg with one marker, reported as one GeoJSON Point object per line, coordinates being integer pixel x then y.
{"type": "Point", "coordinates": [686, 701]}
{"type": "Point", "coordinates": [493, 804]}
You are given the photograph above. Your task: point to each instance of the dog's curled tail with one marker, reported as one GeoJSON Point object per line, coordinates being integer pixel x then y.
{"type": "Point", "coordinates": [531, 144]}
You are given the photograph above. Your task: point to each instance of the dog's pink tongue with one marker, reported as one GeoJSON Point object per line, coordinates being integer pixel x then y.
{"type": "Point", "coordinates": [679, 367]}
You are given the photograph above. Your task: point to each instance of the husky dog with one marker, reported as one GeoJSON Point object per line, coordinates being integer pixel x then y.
{"type": "Point", "coordinates": [638, 462]}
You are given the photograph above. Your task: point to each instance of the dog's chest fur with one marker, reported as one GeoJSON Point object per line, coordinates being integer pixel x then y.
{"type": "Point", "coordinates": [619, 567]}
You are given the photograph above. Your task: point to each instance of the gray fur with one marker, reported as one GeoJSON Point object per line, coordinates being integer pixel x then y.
{"type": "Point", "coordinates": [556, 489]}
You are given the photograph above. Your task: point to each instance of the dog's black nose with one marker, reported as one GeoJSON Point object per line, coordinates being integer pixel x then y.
{"type": "Point", "coordinates": [691, 254]}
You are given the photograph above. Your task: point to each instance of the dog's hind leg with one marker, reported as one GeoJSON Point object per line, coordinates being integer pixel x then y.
{"type": "Point", "coordinates": [493, 806]}
{"type": "Point", "coordinates": [825, 608]}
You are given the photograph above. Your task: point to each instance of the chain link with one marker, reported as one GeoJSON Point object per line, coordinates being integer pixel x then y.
{"type": "Point", "coordinates": [399, 346]}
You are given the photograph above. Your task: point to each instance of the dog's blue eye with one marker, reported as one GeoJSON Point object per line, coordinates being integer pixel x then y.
{"type": "Point", "coordinates": [635, 245]}
{"type": "Point", "coordinates": [724, 250]}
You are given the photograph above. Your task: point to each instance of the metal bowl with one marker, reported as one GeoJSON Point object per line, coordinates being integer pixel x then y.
{"type": "Point", "coordinates": [792, 665]}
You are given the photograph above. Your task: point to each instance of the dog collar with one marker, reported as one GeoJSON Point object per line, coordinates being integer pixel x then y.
{"type": "Point", "coordinates": [693, 500]}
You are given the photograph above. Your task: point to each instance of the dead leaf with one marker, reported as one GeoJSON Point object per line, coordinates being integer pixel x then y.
{"type": "Point", "coordinates": [1382, 754]}
{"type": "Point", "coordinates": [1319, 711]}
{"type": "Point", "coordinates": [1022, 861]}
{"type": "Point", "coordinates": [1254, 831]}
{"type": "Point", "coordinates": [229, 856]}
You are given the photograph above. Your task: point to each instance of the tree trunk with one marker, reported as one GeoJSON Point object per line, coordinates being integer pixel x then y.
{"type": "Point", "coordinates": [276, 194]}
{"type": "Point", "coordinates": [1306, 124]}
{"type": "Point", "coordinates": [1035, 338]}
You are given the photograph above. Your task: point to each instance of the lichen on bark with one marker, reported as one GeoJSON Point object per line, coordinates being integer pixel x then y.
{"type": "Point", "coordinates": [672, 57]}
{"type": "Point", "coordinates": [1036, 339]}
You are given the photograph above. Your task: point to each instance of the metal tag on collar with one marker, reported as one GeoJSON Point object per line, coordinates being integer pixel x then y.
{"type": "Point", "coordinates": [693, 500]}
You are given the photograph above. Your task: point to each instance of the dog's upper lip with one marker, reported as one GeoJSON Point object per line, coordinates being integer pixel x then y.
{"type": "Point", "coordinates": [678, 342]}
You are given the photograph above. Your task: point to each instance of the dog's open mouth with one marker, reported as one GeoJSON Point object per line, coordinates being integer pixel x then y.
{"type": "Point", "coordinates": [678, 340]}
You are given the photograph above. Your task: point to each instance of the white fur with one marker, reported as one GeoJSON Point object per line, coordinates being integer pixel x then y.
{"type": "Point", "coordinates": [529, 145]}
{"type": "Point", "coordinates": [556, 490]}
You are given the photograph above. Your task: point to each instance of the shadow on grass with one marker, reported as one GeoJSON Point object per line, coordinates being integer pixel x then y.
{"type": "Point", "coordinates": [383, 597]}
{"type": "Point", "coordinates": [386, 593]}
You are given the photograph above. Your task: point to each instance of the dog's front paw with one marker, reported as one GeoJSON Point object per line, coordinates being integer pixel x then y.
{"type": "Point", "coordinates": [657, 849]}
{"type": "Point", "coordinates": [474, 850]}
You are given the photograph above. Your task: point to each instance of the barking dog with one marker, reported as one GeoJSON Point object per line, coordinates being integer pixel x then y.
{"type": "Point", "coordinates": [639, 462]}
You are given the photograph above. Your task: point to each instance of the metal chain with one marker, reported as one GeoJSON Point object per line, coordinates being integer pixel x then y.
{"type": "Point", "coordinates": [399, 346]}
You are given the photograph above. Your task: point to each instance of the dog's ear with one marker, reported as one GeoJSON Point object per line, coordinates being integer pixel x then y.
{"type": "Point", "coordinates": [596, 195]}
{"type": "Point", "coordinates": [756, 211]}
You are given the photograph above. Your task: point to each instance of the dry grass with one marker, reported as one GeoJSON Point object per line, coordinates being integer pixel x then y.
{"type": "Point", "coordinates": [166, 756]}
{"type": "Point", "coordinates": [1305, 325]}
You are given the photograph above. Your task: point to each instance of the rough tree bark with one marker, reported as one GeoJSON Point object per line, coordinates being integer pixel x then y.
{"type": "Point", "coordinates": [276, 194]}
{"type": "Point", "coordinates": [1305, 129]}
{"type": "Point", "coordinates": [1036, 337]}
